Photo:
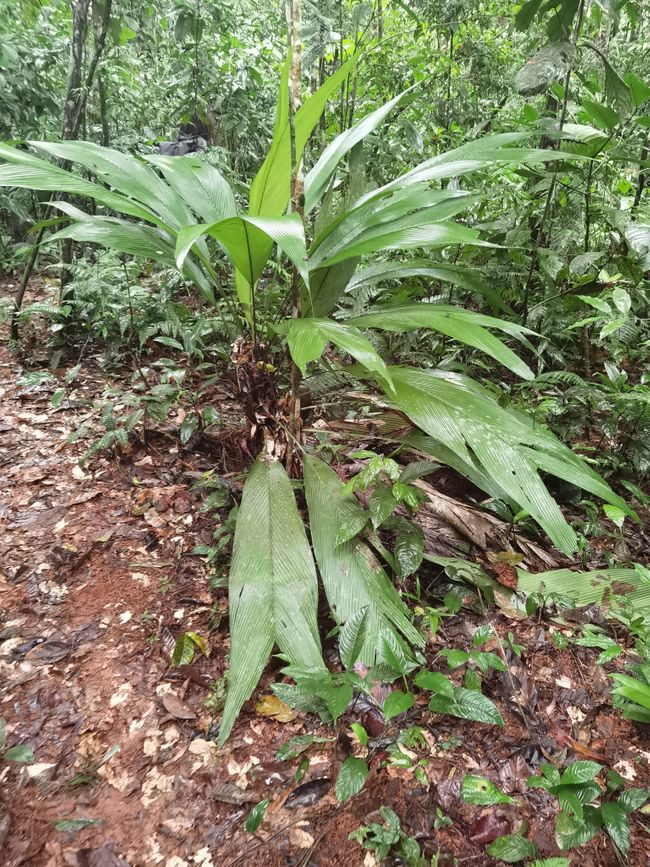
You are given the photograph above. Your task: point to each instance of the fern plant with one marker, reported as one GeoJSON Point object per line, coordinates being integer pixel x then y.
{"type": "Point", "coordinates": [169, 207]}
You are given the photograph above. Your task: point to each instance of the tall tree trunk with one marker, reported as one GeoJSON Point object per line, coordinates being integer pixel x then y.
{"type": "Point", "coordinates": [297, 206]}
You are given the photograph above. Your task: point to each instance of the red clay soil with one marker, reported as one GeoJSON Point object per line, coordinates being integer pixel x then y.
{"type": "Point", "coordinates": [98, 576]}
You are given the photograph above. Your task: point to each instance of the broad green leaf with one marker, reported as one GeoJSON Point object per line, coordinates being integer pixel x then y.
{"type": "Point", "coordinates": [183, 652]}
{"type": "Point", "coordinates": [580, 772]}
{"type": "Point", "coordinates": [434, 681]}
{"type": "Point", "coordinates": [571, 832]}
{"type": "Point", "coordinates": [617, 825]}
{"type": "Point", "coordinates": [622, 300]}
{"type": "Point", "coordinates": [600, 114]}
{"type": "Point", "coordinates": [467, 278]}
{"type": "Point", "coordinates": [638, 89]}
{"type": "Point", "coordinates": [246, 241]}
{"type": "Point", "coordinates": [200, 185]}
{"type": "Point", "coordinates": [351, 778]}
{"type": "Point", "coordinates": [273, 590]}
{"type": "Point", "coordinates": [585, 588]}
{"type": "Point", "coordinates": [480, 790]}
{"type": "Point", "coordinates": [292, 748]}
{"type": "Point", "coordinates": [512, 848]}
{"type": "Point", "coordinates": [633, 799]}
{"type": "Point", "coordinates": [550, 862]}
{"type": "Point", "coordinates": [467, 704]}
{"type": "Point", "coordinates": [256, 816]}
{"type": "Point", "coordinates": [616, 90]}
{"type": "Point", "coordinates": [526, 14]}
{"type": "Point", "coordinates": [632, 689]}
{"type": "Point", "coordinates": [381, 505]}
{"type": "Point", "coordinates": [125, 173]}
{"type": "Point", "coordinates": [308, 337]}
{"type": "Point", "coordinates": [455, 322]}
{"type": "Point", "coordinates": [352, 577]}
{"type": "Point", "coordinates": [396, 703]}
{"type": "Point", "coordinates": [409, 548]}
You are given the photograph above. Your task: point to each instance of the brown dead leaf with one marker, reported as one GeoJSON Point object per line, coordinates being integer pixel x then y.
{"type": "Point", "coordinates": [505, 574]}
{"type": "Point", "coordinates": [271, 705]}
{"type": "Point", "coordinates": [489, 827]}
{"type": "Point", "coordinates": [510, 558]}
{"type": "Point", "coordinates": [177, 708]}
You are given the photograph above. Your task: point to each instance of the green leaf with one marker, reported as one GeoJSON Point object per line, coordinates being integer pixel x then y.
{"type": "Point", "coordinates": [633, 799]}
{"type": "Point", "coordinates": [353, 636]}
{"type": "Point", "coordinates": [617, 825]}
{"type": "Point", "coordinates": [409, 548]}
{"type": "Point", "coordinates": [480, 790]}
{"type": "Point", "coordinates": [71, 825]}
{"type": "Point", "coordinates": [527, 13]}
{"type": "Point", "coordinates": [297, 745]}
{"type": "Point", "coordinates": [600, 114]}
{"type": "Point", "coordinates": [512, 848]}
{"type": "Point", "coordinates": [467, 704]}
{"type": "Point", "coordinates": [351, 778]}
{"type": "Point", "coordinates": [381, 505]}
{"type": "Point", "coordinates": [183, 653]}
{"type": "Point", "coordinates": [433, 681]}
{"type": "Point", "coordinates": [551, 862]}
{"type": "Point", "coordinates": [571, 832]}
{"type": "Point", "coordinates": [352, 577]}
{"type": "Point", "coordinates": [396, 703]}
{"type": "Point", "coordinates": [200, 185]}
{"type": "Point", "coordinates": [639, 90]}
{"type": "Point", "coordinates": [616, 90]}
{"type": "Point", "coordinates": [584, 588]}
{"type": "Point", "coordinates": [463, 325]}
{"type": "Point", "coordinates": [622, 300]}
{"type": "Point", "coordinates": [20, 753]}
{"type": "Point", "coordinates": [361, 733]}
{"type": "Point", "coordinates": [256, 816]}
{"type": "Point", "coordinates": [319, 176]}
{"type": "Point", "coordinates": [308, 337]}
{"type": "Point", "coordinates": [580, 772]}
{"type": "Point", "coordinates": [273, 588]}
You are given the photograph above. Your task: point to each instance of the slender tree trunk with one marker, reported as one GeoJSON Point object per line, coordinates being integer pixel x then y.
{"type": "Point", "coordinates": [71, 116]}
{"type": "Point", "coordinates": [297, 206]}
{"type": "Point", "coordinates": [643, 174]}
{"type": "Point", "coordinates": [103, 118]}
{"type": "Point", "coordinates": [380, 19]}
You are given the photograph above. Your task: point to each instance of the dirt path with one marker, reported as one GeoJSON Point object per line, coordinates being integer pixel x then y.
{"type": "Point", "coordinates": [97, 579]}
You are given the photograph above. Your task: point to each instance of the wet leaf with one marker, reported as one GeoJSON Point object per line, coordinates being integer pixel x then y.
{"type": "Point", "coordinates": [571, 831]}
{"type": "Point", "coordinates": [256, 816]}
{"type": "Point", "coordinates": [433, 681]}
{"type": "Point", "coordinates": [271, 705]}
{"type": "Point", "coordinates": [512, 848]}
{"type": "Point", "coordinates": [481, 791]}
{"type": "Point", "coordinates": [351, 778]}
{"type": "Point", "coordinates": [580, 772]}
{"type": "Point", "coordinates": [633, 799]}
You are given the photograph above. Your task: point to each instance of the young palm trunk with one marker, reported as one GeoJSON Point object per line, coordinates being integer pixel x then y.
{"type": "Point", "coordinates": [297, 205]}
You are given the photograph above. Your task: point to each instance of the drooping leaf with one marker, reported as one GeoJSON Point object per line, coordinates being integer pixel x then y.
{"type": "Point", "coordinates": [551, 63]}
{"type": "Point", "coordinates": [352, 578]}
{"type": "Point", "coordinates": [272, 591]}
{"type": "Point", "coordinates": [464, 325]}
{"type": "Point", "coordinates": [434, 681]}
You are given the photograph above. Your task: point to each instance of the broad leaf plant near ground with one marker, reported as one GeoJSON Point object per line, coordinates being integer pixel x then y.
{"type": "Point", "coordinates": [168, 208]}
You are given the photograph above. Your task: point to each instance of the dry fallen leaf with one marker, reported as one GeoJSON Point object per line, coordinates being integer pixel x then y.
{"type": "Point", "coordinates": [174, 706]}
{"type": "Point", "coordinates": [271, 705]}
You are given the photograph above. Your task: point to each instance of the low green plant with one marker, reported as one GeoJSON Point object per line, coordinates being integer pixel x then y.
{"type": "Point", "coordinates": [18, 753]}
{"type": "Point", "coordinates": [586, 807]}
{"type": "Point", "coordinates": [388, 839]}
{"type": "Point", "coordinates": [631, 693]}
